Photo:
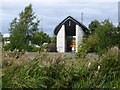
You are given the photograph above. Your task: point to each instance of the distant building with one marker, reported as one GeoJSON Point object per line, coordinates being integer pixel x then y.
{"type": "Point", "coordinates": [69, 27]}
{"type": "Point", "coordinates": [6, 35]}
{"type": "Point", "coordinates": [6, 39]}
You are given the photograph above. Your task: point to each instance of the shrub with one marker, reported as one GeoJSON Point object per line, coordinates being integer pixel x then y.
{"type": "Point", "coordinates": [35, 49]}
{"type": "Point", "coordinates": [89, 45]}
{"type": "Point", "coordinates": [6, 47]}
{"type": "Point", "coordinates": [106, 70]}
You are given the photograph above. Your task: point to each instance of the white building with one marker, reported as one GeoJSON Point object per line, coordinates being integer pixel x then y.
{"type": "Point", "coordinates": [69, 27]}
{"type": "Point", "coordinates": [6, 36]}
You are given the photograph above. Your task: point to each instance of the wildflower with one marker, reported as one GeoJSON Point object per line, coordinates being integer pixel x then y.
{"type": "Point", "coordinates": [48, 64]}
{"type": "Point", "coordinates": [45, 50]}
{"type": "Point", "coordinates": [63, 62]}
{"type": "Point", "coordinates": [9, 51]}
{"type": "Point", "coordinates": [15, 49]}
{"type": "Point", "coordinates": [89, 64]}
{"type": "Point", "coordinates": [53, 61]}
{"type": "Point", "coordinates": [114, 87]}
{"type": "Point", "coordinates": [41, 66]}
{"type": "Point", "coordinates": [98, 68]}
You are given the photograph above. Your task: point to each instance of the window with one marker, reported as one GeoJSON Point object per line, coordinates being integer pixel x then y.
{"type": "Point", "coordinates": [69, 23]}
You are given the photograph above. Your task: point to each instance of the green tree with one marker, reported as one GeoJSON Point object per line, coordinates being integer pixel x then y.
{"type": "Point", "coordinates": [1, 36]}
{"type": "Point", "coordinates": [105, 36]}
{"type": "Point", "coordinates": [107, 33]}
{"type": "Point", "coordinates": [53, 39]}
{"type": "Point", "coordinates": [93, 25]}
{"type": "Point", "coordinates": [39, 38]}
{"type": "Point", "coordinates": [21, 29]}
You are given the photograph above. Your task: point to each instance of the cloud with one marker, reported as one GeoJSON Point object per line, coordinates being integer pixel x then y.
{"type": "Point", "coordinates": [52, 13]}
{"type": "Point", "coordinates": [59, 0]}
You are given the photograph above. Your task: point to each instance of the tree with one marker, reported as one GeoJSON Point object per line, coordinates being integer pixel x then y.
{"type": "Point", "coordinates": [107, 33]}
{"type": "Point", "coordinates": [93, 25]}
{"type": "Point", "coordinates": [1, 37]}
{"type": "Point", "coordinates": [105, 36]}
{"type": "Point", "coordinates": [53, 39]}
{"type": "Point", "coordinates": [39, 38]}
{"type": "Point", "coordinates": [21, 29]}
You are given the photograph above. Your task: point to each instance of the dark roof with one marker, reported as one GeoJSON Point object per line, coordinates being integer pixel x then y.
{"type": "Point", "coordinates": [57, 28]}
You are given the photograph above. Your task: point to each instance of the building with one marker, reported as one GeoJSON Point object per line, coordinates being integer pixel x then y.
{"type": "Point", "coordinates": [69, 27]}
{"type": "Point", "coordinates": [6, 39]}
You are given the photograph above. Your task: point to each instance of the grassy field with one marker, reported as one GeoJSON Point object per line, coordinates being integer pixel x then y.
{"type": "Point", "coordinates": [42, 71]}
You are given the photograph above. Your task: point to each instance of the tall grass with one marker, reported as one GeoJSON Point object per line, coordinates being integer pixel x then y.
{"type": "Point", "coordinates": [46, 72]}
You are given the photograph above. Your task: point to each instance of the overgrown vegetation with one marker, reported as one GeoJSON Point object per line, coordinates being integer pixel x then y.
{"type": "Point", "coordinates": [46, 72]}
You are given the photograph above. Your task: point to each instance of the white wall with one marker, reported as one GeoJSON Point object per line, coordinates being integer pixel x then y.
{"type": "Point", "coordinates": [61, 39]}
{"type": "Point", "coordinates": [79, 36]}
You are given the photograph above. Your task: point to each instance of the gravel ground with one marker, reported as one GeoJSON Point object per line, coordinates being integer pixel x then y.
{"type": "Point", "coordinates": [31, 55]}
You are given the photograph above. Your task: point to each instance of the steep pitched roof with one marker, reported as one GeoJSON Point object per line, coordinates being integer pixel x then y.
{"type": "Point", "coordinates": [57, 28]}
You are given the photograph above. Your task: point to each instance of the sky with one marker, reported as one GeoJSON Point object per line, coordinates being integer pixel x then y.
{"type": "Point", "coordinates": [119, 13]}
{"type": "Point", "coordinates": [52, 12]}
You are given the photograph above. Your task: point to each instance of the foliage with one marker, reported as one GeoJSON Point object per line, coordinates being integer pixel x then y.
{"type": "Point", "coordinates": [105, 35]}
{"type": "Point", "coordinates": [1, 36]}
{"type": "Point", "coordinates": [107, 69]}
{"type": "Point", "coordinates": [5, 39]}
{"type": "Point", "coordinates": [45, 72]}
{"type": "Point", "coordinates": [6, 47]}
{"type": "Point", "coordinates": [89, 45]}
{"type": "Point", "coordinates": [93, 25]}
{"type": "Point", "coordinates": [108, 35]}
{"type": "Point", "coordinates": [21, 29]}
{"type": "Point", "coordinates": [53, 40]}
{"type": "Point", "coordinates": [35, 49]}
{"type": "Point", "coordinates": [39, 38]}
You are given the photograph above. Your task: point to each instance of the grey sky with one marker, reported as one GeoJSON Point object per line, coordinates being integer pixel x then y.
{"type": "Point", "coordinates": [119, 13]}
{"type": "Point", "coordinates": [52, 13]}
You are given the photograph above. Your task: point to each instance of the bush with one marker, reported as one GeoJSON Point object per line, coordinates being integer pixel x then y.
{"type": "Point", "coordinates": [89, 45]}
{"type": "Point", "coordinates": [35, 49]}
{"type": "Point", "coordinates": [6, 47]}
{"type": "Point", "coordinates": [106, 70]}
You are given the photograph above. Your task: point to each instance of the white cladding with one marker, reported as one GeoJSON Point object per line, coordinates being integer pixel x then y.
{"type": "Point", "coordinates": [79, 36]}
{"type": "Point", "coordinates": [61, 39]}
{"type": "Point", "coordinates": [61, 45]}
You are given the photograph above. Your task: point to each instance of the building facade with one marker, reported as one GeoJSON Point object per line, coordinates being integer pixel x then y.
{"type": "Point", "coordinates": [69, 27]}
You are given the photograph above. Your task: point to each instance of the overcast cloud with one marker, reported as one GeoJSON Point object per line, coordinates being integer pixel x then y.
{"type": "Point", "coordinates": [52, 13]}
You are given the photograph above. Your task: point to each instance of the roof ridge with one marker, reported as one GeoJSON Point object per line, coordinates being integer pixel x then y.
{"type": "Point", "coordinates": [67, 18]}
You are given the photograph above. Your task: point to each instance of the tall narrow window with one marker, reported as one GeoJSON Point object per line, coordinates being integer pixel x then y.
{"type": "Point", "coordinates": [69, 23]}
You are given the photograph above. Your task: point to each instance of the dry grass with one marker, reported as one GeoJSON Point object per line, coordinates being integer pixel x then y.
{"type": "Point", "coordinates": [46, 72]}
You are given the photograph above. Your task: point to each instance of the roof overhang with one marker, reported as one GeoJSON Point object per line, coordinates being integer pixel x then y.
{"type": "Point", "coordinates": [57, 28]}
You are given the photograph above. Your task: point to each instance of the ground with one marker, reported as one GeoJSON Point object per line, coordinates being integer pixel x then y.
{"type": "Point", "coordinates": [31, 55]}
